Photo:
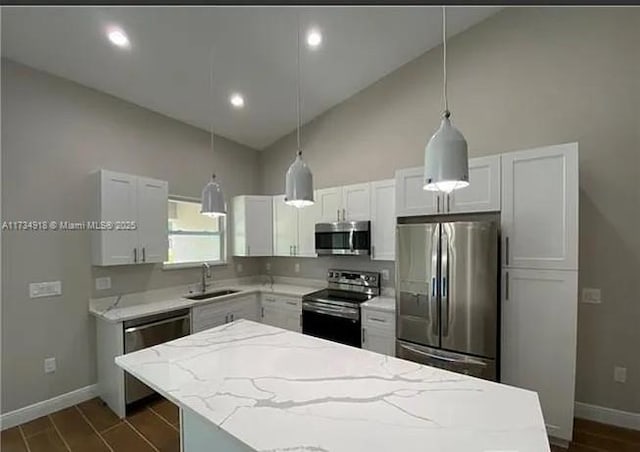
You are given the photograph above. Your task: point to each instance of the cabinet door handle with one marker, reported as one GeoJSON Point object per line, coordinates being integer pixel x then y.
{"type": "Point", "coordinates": [373, 251]}
{"type": "Point", "coordinates": [506, 249]}
{"type": "Point", "coordinates": [292, 303]}
{"type": "Point", "coordinates": [135, 255]}
{"type": "Point", "coordinates": [338, 213]}
{"type": "Point", "coordinates": [290, 248]}
{"type": "Point", "coordinates": [506, 286]}
{"type": "Point", "coordinates": [232, 315]}
{"type": "Point", "coordinates": [363, 336]}
{"type": "Point", "coordinates": [295, 250]}
{"type": "Point", "coordinates": [226, 318]}
{"type": "Point", "coordinates": [437, 203]}
{"type": "Point", "coordinates": [262, 312]}
{"type": "Point", "coordinates": [144, 254]}
{"type": "Point", "coordinates": [374, 319]}
{"type": "Point", "coordinates": [448, 203]}
{"type": "Point", "coordinates": [344, 215]}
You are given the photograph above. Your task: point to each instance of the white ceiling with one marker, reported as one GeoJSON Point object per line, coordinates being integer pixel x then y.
{"type": "Point", "coordinates": [167, 68]}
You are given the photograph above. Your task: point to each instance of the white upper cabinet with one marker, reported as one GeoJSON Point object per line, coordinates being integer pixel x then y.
{"type": "Point", "coordinates": [307, 219]}
{"type": "Point", "coordinates": [355, 203]}
{"type": "Point", "coordinates": [539, 315]}
{"type": "Point", "coordinates": [383, 220]}
{"type": "Point", "coordinates": [411, 198]}
{"type": "Point", "coordinates": [348, 203]}
{"type": "Point", "coordinates": [329, 202]}
{"type": "Point", "coordinates": [153, 220]}
{"type": "Point", "coordinates": [483, 192]}
{"type": "Point", "coordinates": [285, 227]}
{"type": "Point", "coordinates": [137, 208]}
{"type": "Point", "coordinates": [252, 226]}
{"type": "Point", "coordinates": [540, 208]}
{"type": "Point", "coordinates": [294, 229]}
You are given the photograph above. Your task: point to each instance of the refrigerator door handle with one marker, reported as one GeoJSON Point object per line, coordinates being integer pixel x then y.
{"type": "Point", "coordinates": [449, 359]}
{"type": "Point", "coordinates": [444, 291]}
{"type": "Point", "coordinates": [434, 313]}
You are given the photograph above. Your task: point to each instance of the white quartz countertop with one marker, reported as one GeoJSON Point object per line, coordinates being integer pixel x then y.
{"type": "Point", "coordinates": [382, 303]}
{"type": "Point", "coordinates": [277, 390]}
{"type": "Point", "coordinates": [142, 304]}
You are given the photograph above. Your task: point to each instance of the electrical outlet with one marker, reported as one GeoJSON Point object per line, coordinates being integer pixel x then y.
{"type": "Point", "coordinates": [49, 365]}
{"type": "Point", "coordinates": [385, 275]}
{"type": "Point", "coordinates": [620, 374]}
{"type": "Point", "coordinates": [103, 283]}
{"type": "Point", "coordinates": [296, 267]}
{"type": "Point", "coordinates": [45, 289]}
{"type": "Point", "coordinates": [268, 266]}
{"type": "Point", "coordinates": [591, 296]}
{"type": "Point", "coordinates": [239, 268]}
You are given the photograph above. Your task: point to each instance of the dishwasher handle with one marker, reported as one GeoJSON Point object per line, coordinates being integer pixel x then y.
{"type": "Point", "coordinates": [133, 329]}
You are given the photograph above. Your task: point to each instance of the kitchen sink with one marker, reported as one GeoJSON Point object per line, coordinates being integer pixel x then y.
{"type": "Point", "coordinates": [208, 295]}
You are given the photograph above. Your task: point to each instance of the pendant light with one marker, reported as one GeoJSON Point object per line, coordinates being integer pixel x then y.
{"type": "Point", "coordinates": [213, 204]}
{"type": "Point", "coordinates": [298, 180]}
{"type": "Point", "coordinates": [446, 163]}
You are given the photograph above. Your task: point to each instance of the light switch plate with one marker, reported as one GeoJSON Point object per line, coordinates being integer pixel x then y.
{"type": "Point", "coordinates": [45, 289]}
{"type": "Point", "coordinates": [385, 275]}
{"type": "Point", "coordinates": [103, 283]}
{"type": "Point", "coordinates": [239, 268]}
{"type": "Point", "coordinates": [620, 374]}
{"type": "Point", "coordinates": [49, 365]}
{"type": "Point", "coordinates": [296, 267]}
{"type": "Point", "coordinates": [267, 266]}
{"type": "Point", "coordinates": [591, 296]}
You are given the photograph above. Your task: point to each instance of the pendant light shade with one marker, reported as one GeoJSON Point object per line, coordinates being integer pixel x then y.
{"type": "Point", "coordinates": [298, 180]}
{"type": "Point", "coordinates": [213, 199]}
{"type": "Point", "coordinates": [299, 184]}
{"type": "Point", "coordinates": [446, 160]}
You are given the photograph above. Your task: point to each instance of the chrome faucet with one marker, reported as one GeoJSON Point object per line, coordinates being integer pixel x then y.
{"type": "Point", "coordinates": [206, 273]}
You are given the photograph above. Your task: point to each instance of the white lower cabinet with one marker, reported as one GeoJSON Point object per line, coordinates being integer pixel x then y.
{"type": "Point", "coordinates": [282, 312]}
{"type": "Point", "coordinates": [378, 331]}
{"type": "Point", "coordinates": [539, 314]}
{"type": "Point", "coordinates": [218, 313]}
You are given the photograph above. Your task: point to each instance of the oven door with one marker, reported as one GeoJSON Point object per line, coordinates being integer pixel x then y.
{"type": "Point", "coordinates": [335, 323]}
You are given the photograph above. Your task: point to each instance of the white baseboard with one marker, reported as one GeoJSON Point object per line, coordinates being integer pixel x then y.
{"type": "Point", "coordinates": [609, 416]}
{"type": "Point", "coordinates": [39, 409]}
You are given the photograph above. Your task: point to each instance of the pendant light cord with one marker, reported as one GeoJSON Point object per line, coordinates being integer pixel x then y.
{"type": "Point", "coordinates": [212, 108]}
{"type": "Point", "coordinates": [446, 113]}
{"type": "Point", "coordinates": [298, 101]}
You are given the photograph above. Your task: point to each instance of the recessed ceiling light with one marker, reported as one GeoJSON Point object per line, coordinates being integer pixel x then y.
{"type": "Point", "coordinates": [237, 100]}
{"type": "Point", "coordinates": [314, 38]}
{"type": "Point", "coordinates": [118, 38]}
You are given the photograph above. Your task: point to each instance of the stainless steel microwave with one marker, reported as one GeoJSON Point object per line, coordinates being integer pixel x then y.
{"type": "Point", "coordinates": [344, 238]}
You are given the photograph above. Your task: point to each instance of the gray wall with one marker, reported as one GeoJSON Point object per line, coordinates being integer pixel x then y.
{"type": "Point", "coordinates": [526, 77]}
{"type": "Point", "coordinates": [54, 133]}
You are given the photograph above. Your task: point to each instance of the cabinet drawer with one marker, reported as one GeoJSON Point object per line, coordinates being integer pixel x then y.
{"type": "Point", "coordinates": [377, 319]}
{"type": "Point", "coordinates": [283, 302]}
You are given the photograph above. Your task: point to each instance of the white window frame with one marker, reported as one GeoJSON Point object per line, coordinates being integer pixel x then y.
{"type": "Point", "coordinates": [223, 240]}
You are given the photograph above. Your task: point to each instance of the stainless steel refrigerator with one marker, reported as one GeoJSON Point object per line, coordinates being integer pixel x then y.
{"type": "Point", "coordinates": [447, 296]}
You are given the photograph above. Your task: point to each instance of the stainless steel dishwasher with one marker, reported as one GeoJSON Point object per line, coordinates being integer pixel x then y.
{"type": "Point", "coordinates": [147, 332]}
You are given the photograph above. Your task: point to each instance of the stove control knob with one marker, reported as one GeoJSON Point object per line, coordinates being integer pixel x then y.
{"type": "Point", "coordinates": [366, 278]}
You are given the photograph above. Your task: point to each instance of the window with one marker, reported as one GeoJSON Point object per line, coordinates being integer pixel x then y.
{"type": "Point", "coordinates": [193, 238]}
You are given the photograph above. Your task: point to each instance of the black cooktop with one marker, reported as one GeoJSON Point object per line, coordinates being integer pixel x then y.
{"type": "Point", "coordinates": [338, 295]}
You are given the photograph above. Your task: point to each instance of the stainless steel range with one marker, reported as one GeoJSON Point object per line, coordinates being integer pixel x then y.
{"type": "Point", "coordinates": [334, 313]}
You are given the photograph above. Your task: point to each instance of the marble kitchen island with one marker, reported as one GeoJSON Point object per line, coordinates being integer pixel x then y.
{"type": "Point", "coordinates": [246, 386]}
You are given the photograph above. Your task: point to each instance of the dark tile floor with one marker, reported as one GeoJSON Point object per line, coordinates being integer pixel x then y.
{"type": "Point", "coordinates": [92, 426]}
{"type": "Point", "coordinates": [154, 427]}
